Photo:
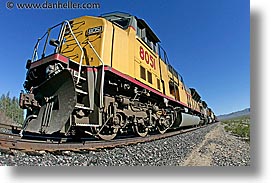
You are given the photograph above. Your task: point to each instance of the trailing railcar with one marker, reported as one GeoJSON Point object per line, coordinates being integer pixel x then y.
{"type": "Point", "coordinates": [105, 75]}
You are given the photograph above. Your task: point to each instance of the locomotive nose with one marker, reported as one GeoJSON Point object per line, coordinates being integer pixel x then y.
{"type": "Point", "coordinates": [57, 98]}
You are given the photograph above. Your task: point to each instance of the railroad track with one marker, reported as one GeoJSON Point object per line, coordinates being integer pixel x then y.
{"type": "Point", "coordinates": [10, 126]}
{"type": "Point", "coordinates": [9, 142]}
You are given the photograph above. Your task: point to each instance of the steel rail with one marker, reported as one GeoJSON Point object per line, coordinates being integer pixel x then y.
{"type": "Point", "coordinates": [15, 142]}
{"type": "Point", "coordinates": [10, 126]}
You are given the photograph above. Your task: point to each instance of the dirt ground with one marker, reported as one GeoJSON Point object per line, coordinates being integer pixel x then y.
{"type": "Point", "coordinates": [219, 149]}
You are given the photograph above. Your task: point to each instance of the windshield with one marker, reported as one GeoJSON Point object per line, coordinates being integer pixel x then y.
{"type": "Point", "coordinates": [123, 22]}
{"type": "Point", "coordinates": [120, 19]}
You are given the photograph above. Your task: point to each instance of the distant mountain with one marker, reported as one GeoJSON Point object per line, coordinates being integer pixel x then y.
{"type": "Point", "coordinates": [245, 112]}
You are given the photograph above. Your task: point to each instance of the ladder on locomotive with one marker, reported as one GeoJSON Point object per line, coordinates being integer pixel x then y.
{"type": "Point", "coordinates": [72, 30]}
{"type": "Point", "coordinates": [69, 33]}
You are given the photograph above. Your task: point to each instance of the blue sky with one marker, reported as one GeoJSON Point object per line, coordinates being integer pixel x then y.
{"type": "Point", "coordinates": [207, 41]}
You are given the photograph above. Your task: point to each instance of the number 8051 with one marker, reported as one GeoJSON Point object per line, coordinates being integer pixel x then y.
{"type": "Point", "coordinates": [149, 59]}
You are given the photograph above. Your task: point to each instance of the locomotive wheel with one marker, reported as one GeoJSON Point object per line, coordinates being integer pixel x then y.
{"type": "Point", "coordinates": [108, 133]}
{"type": "Point", "coordinates": [162, 129]}
{"type": "Point", "coordinates": [164, 125]}
{"type": "Point", "coordinates": [140, 128]}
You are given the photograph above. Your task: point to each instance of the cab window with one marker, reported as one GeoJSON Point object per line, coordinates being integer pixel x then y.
{"type": "Point", "coordinates": [147, 37]}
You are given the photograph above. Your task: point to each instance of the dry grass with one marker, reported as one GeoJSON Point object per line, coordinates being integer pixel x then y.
{"type": "Point", "coordinates": [239, 127]}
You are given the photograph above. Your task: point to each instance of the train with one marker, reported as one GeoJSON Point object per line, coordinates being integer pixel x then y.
{"type": "Point", "coordinates": [106, 75]}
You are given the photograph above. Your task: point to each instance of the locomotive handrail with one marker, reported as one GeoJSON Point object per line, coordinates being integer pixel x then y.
{"type": "Point", "coordinates": [96, 53]}
{"type": "Point", "coordinates": [66, 22]}
{"type": "Point", "coordinates": [35, 50]}
{"type": "Point", "coordinates": [35, 54]}
{"type": "Point", "coordinates": [36, 47]}
{"type": "Point", "coordinates": [82, 52]}
{"type": "Point", "coordinates": [102, 76]}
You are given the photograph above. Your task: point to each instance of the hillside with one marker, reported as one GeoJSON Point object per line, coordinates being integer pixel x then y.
{"type": "Point", "coordinates": [245, 112]}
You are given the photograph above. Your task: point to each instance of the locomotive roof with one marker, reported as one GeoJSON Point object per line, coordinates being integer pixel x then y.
{"type": "Point", "coordinates": [204, 104]}
{"type": "Point", "coordinates": [142, 22]}
{"type": "Point", "coordinates": [195, 94]}
{"type": "Point", "coordinates": [148, 28]}
{"type": "Point", "coordinates": [116, 14]}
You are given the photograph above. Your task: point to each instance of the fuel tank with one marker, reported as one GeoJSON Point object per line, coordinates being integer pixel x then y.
{"type": "Point", "coordinates": [184, 119]}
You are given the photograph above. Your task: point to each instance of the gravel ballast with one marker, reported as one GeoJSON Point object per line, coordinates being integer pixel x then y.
{"type": "Point", "coordinates": [172, 151]}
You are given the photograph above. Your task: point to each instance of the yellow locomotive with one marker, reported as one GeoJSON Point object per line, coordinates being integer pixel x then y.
{"type": "Point", "coordinates": [106, 75]}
